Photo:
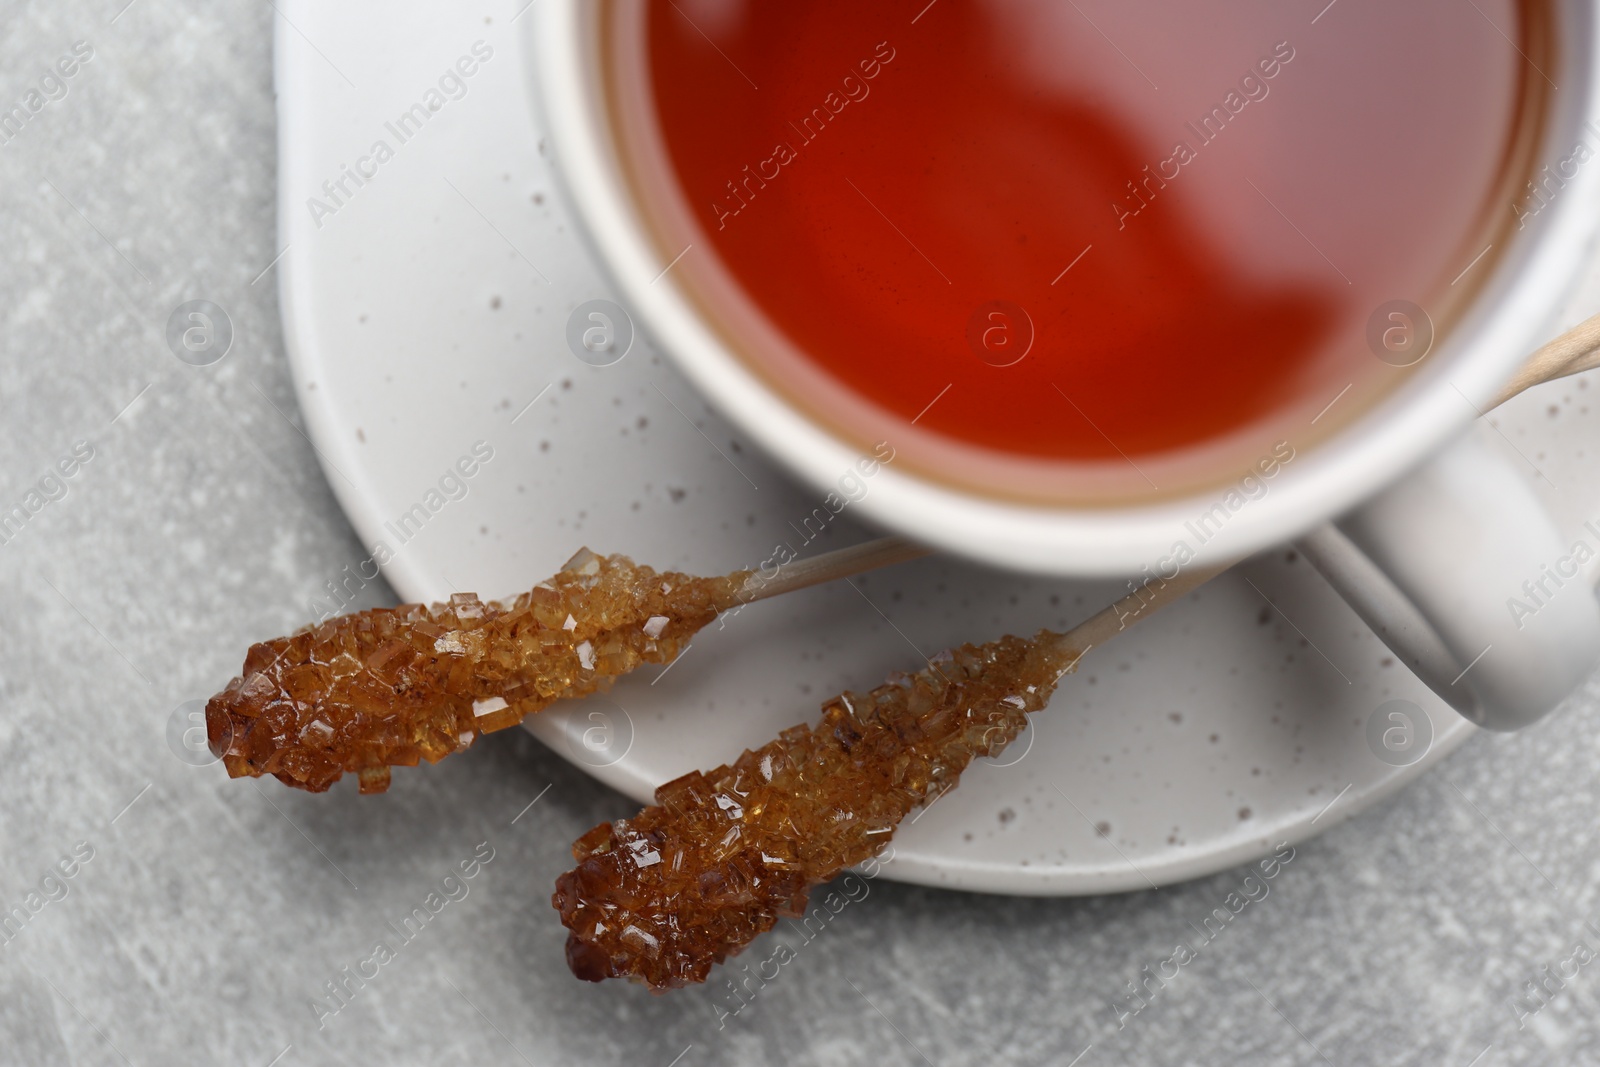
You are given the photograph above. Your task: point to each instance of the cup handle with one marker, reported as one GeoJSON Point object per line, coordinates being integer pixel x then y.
{"type": "Point", "coordinates": [1459, 537]}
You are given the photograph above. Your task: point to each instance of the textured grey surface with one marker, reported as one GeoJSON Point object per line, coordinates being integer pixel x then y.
{"type": "Point", "coordinates": [212, 913]}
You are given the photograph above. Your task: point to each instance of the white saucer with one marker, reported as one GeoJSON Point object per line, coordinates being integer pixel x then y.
{"type": "Point", "coordinates": [429, 312]}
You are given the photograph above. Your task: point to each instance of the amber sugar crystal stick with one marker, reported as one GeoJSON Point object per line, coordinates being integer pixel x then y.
{"type": "Point", "coordinates": [722, 855]}
{"type": "Point", "coordinates": [391, 687]}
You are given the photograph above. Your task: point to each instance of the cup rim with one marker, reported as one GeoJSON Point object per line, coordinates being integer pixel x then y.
{"type": "Point", "coordinates": [1501, 326]}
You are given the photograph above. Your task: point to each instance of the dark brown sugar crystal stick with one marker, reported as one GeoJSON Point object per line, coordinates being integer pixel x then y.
{"type": "Point", "coordinates": [391, 687]}
{"type": "Point", "coordinates": [721, 856]}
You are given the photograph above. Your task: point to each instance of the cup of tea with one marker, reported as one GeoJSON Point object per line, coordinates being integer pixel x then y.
{"type": "Point", "coordinates": [1123, 288]}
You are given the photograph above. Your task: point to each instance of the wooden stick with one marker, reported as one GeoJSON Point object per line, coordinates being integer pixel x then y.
{"type": "Point", "coordinates": [1576, 350]}
{"type": "Point", "coordinates": [843, 563]}
{"type": "Point", "coordinates": [1136, 606]}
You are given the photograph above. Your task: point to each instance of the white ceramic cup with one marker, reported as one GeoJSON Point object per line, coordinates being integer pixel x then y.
{"type": "Point", "coordinates": [1454, 527]}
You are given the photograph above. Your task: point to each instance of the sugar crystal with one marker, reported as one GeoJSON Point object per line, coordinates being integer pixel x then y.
{"type": "Point", "coordinates": [395, 686]}
{"type": "Point", "coordinates": [814, 802]}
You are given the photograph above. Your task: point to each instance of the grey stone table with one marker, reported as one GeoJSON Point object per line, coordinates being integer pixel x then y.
{"type": "Point", "coordinates": [168, 915]}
